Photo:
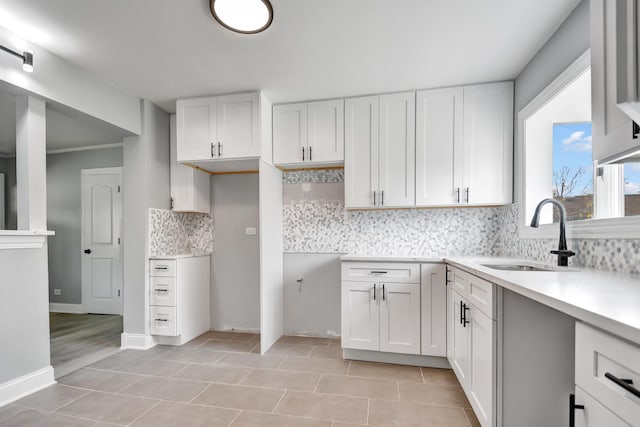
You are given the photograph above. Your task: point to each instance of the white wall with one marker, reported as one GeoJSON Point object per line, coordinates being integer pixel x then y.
{"type": "Point", "coordinates": [235, 265]}
{"type": "Point", "coordinates": [313, 306]}
{"type": "Point", "coordinates": [570, 41]}
{"type": "Point", "coordinates": [64, 195]}
{"type": "Point", "coordinates": [145, 185]}
{"type": "Point", "coordinates": [57, 80]}
{"type": "Point", "coordinates": [24, 313]}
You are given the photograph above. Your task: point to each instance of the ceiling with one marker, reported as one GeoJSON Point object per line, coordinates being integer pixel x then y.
{"type": "Point", "coordinates": [66, 128]}
{"type": "Point", "coordinates": [162, 50]}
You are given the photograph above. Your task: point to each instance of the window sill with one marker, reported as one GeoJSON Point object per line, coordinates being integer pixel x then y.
{"type": "Point", "coordinates": [23, 239]}
{"type": "Point", "coordinates": [609, 228]}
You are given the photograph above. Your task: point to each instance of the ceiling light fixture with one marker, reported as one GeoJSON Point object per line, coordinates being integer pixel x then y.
{"type": "Point", "coordinates": [242, 16]}
{"type": "Point", "coordinates": [27, 58]}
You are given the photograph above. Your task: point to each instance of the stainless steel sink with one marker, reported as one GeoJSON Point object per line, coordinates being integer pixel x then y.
{"type": "Point", "coordinates": [516, 267]}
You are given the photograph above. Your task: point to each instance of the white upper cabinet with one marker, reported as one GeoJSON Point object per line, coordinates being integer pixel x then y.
{"type": "Point", "coordinates": [487, 176]}
{"type": "Point", "coordinates": [438, 145]}
{"type": "Point", "coordinates": [380, 151]}
{"type": "Point", "coordinates": [306, 134]}
{"type": "Point", "coordinates": [464, 148]}
{"type": "Point", "coordinates": [222, 127]}
{"type": "Point", "coordinates": [238, 126]}
{"type": "Point", "coordinates": [196, 128]}
{"type": "Point", "coordinates": [289, 133]}
{"type": "Point", "coordinates": [614, 79]}
{"type": "Point", "coordinates": [190, 188]}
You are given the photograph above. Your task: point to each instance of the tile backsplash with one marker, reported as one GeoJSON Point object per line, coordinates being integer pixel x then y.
{"type": "Point", "coordinates": [315, 220]}
{"type": "Point", "coordinates": [175, 233]}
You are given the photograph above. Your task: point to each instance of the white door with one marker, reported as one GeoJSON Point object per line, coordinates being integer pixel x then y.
{"type": "Point", "coordinates": [482, 371]}
{"type": "Point", "coordinates": [238, 126]}
{"type": "Point", "coordinates": [360, 315]}
{"type": "Point", "coordinates": [290, 133]}
{"type": "Point", "coordinates": [326, 131]}
{"type": "Point", "coordinates": [438, 143]}
{"type": "Point", "coordinates": [101, 244]}
{"type": "Point", "coordinates": [459, 357]}
{"type": "Point", "coordinates": [397, 149]}
{"type": "Point", "coordinates": [488, 144]}
{"type": "Point", "coordinates": [196, 129]}
{"type": "Point", "coordinates": [361, 152]}
{"type": "Point", "coordinates": [434, 309]}
{"type": "Point", "coordinates": [400, 318]}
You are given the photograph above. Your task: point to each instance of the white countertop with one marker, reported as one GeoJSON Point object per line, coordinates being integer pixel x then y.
{"type": "Point", "coordinates": [607, 300]}
{"type": "Point", "coordinates": [178, 256]}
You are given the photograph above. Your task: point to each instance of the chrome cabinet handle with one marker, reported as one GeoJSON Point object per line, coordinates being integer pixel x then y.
{"type": "Point", "coordinates": [219, 149]}
{"type": "Point", "coordinates": [378, 272]}
{"type": "Point", "coordinates": [161, 267]}
{"type": "Point", "coordinates": [384, 293]}
{"type": "Point", "coordinates": [457, 194]}
{"type": "Point", "coordinates": [162, 320]}
{"type": "Point", "coordinates": [162, 290]}
{"type": "Point", "coordinates": [374, 291]}
{"type": "Point", "coordinates": [467, 193]}
{"type": "Point", "coordinates": [310, 154]}
{"type": "Point", "coordinates": [374, 197]}
{"type": "Point", "coordinates": [382, 198]}
{"type": "Point", "coordinates": [303, 154]}
{"type": "Point", "coordinates": [213, 154]}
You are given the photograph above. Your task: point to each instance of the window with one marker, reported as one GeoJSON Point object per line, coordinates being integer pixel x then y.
{"type": "Point", "coordinates": [555, 161]}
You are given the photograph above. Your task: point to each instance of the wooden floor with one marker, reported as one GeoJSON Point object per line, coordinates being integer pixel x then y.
{"type": "Point", "coordinates": [80, 339]}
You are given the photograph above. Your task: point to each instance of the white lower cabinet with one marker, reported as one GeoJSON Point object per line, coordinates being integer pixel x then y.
{"type": "Point", "coordinates": [607, 379]}
{"type": "Point", "coordinates": [433, 296]}
{"type": "Point", "coordinates": [179, 298]}
{"type": "Point", "coordinates": [379, 314]}
{"type": "Point", "coordinates": [472, 346]}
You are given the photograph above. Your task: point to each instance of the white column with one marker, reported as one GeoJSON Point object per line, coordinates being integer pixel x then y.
{"type": "Point", "coordinates": [31, 163]}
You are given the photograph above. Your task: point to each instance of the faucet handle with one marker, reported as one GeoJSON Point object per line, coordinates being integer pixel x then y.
{"type": "Point", "coordinates": [564, 252]}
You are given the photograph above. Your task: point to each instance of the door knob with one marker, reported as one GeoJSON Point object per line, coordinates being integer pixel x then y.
{"type": "Point", "coordinates": [87, 251]}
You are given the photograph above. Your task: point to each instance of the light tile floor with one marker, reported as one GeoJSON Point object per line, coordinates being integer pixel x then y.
{"type": "Point", "coordinates": [219, 379]}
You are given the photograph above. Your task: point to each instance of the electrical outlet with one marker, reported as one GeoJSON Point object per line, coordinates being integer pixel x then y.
{"type": "Point", "coordinates": [250, 231]}
{"type": "Point", "coordinates": [57, 292]}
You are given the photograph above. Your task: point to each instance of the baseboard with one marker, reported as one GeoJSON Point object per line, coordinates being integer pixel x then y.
{"type": "Point", "coordinates": [399, 359]}
{"type": "Point", "coordinates": [137, 341]}
{"type": "Point", "coordinates": [26, 385]}
{"type": "Point", "coordinates": [57, 307]}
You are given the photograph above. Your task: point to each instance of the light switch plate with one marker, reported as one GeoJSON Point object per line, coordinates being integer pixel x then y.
{"type": "Point", "coordinates": [250, 231]}
{"type": "Point", "coordinates": [57, 292]}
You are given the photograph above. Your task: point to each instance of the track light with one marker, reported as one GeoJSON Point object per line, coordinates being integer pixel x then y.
{"type": "Point", "coordinates": [27, 58]}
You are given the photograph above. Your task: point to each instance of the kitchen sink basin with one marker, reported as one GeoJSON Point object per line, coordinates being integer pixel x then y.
{"type": "Point", "coordinates": [516, 267]}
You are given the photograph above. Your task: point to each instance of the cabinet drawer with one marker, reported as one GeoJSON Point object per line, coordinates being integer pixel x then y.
{"type": "Point", "coordinates": [482, 295]}
{"type": "Point", "coordinates": [458, 280]}
{"type": "Point", "coordinates": [383, 272]}
{"type": "Point", "coordinates": [162, 291]}
{"type": "Point", "coordinates": [163, 321]}
{"type": "Point", "coordinates": [162, 267]}
{"type": "Point", "coordinates": [599, 354]}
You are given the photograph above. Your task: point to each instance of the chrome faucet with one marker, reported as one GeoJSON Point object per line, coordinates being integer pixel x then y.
{"type": "Point", "coordinates": [562, 252]}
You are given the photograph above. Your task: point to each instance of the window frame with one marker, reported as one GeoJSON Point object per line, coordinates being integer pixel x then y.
{"type": "Point", "coordinates": [613, 228]}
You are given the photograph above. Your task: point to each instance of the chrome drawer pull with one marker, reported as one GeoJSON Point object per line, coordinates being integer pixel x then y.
{"type": "Point", "coordinates": [161, 267]}
{"type": "Point", "coordinates": [162, 290]}
{"type": "Point", "coordinates": [378, 272]}
{"type": "Point", "coordinates": [162, 320]}
{"type": "Point", "coordinates": [624, 383]}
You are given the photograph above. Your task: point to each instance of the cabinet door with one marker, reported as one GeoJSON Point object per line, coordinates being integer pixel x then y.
{"type": "Point", "coordinates": [488, 144]}
{"type": "Point", "coordinates": [438, 143]}
{"type": "Point", "coordinates": [326, 131]}
{"type": "Point", "coordinates": [290, 133]}
{"type": "Point", "coordinates": [433, 294]}
{"type": "Point", "coordinates": [196, 128]}
{"type": "Point", "coordinates": [360, 316]}
{"type": "Point", "coordinates": [361, 152]}
{"type": "Point", "coordinates": [397, 150]}
{"type": "Point", "coordinates": [481, 388]}
{"type": "Point", "coordinates": [400, 318]}
{"type": "Point", "coordinates": [190, 188]}
{"type": "Point", "coordinates": [612, 129]}
{"type": "Point", "coordinates": [594, 413]}
{"type": "Point", "coordinates": [238, 125]}
{"type": "Point", "coordinates": [459, 334]}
